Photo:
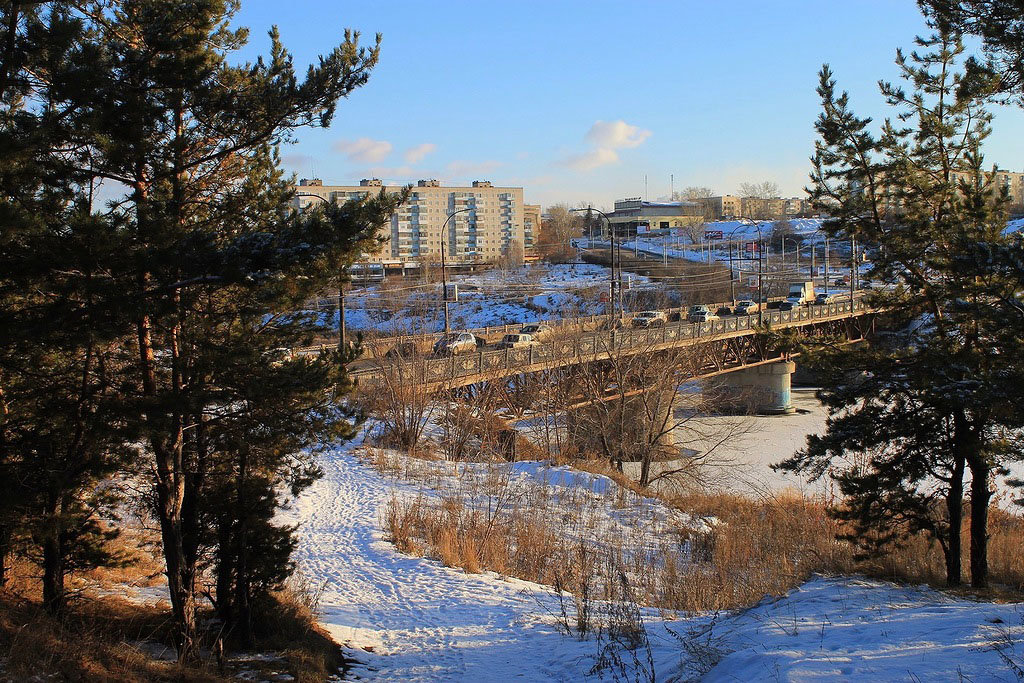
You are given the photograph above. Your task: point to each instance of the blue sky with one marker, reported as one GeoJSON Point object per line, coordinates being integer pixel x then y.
{"type": "Point", "coordinates": [579, 101]}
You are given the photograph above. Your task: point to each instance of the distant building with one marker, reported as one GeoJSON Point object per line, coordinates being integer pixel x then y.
{"type": "Point", "coordinates": [1013, 181]}
{"type": "Point", "coordinates": [494, 225]}
{"type": "Point", "coordinates": [722, 206]}
{"type": "Point", "coordinates": [531, 225]}
{"type": "Point", "coordinates": [636, 216]}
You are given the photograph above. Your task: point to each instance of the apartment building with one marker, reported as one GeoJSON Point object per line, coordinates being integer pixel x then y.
{"type": "Point", "coordinates": [731, 206]}
{"type": "Point", "coordinates": [721, 206]}
{"type": "Point", "coordinates": [1013, 181]}
{"type": "Point", "coordinates": [490, 224]}
{"type": "Point", "coordinates": [531, 225]}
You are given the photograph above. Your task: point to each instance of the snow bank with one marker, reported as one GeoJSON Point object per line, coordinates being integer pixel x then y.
{"type": "Point", "coordinates": [857, 629]}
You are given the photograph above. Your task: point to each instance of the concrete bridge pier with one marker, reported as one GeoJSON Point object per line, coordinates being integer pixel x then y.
{"type": "Point", "coordinates": [765, 388]}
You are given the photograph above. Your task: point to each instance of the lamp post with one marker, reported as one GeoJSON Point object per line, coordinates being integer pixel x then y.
{"type": "Point", "coordinates": [342, 277]}
{"type": "Point", "coordinates": [732, 274]}
{"type": "Point", "coordinates": [616, 283]}
{"type": "Point", "coordinates": [444, 272]}
{"type": "Point", "coordinates": [760, 269]}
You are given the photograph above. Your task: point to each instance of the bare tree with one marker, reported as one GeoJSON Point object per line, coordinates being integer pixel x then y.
{"type": "Point", "coordinates": [557, 231]}
{"type": "Point", "coordinates": [401, 400]}
{"type": "Point", "coordinates": [758, 199]}
{"type": "Point", "coordinates": [764, 190]}
{"type": "Point", "coordinates": [702, 196]}
{"type": "Point", "coordinates": [638, 404]}
{"type": "Point", "coordinates": [511, 256]}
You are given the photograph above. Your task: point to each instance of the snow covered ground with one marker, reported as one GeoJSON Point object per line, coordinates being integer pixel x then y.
{"type": "Point", "coordinates": [407, 618]}
{"type": "Point", "coordinates": [530, 293]}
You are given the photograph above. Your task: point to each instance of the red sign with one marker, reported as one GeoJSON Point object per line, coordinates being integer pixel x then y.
{"type": "Point", "coordinates": [751, 246]}
{"type": "Point", "coordinates": [712, 234]}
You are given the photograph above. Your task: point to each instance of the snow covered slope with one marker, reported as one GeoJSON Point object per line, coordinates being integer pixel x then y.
{"type": "Point", "coordinates": [408, 618]}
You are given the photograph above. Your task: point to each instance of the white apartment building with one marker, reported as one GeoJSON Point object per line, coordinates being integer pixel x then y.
{"type": "Point", "coordinates": [491, 226]}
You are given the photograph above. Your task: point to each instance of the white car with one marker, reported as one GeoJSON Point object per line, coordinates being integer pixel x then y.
{"type": "Point", "coordinates": [516, 341]}
{"type": "Point", "coordinates": [697, 309]}
{"type": "Point", "coordinates": [539, 331]}
{"type": "Point", "coordinates": [747, 307]}
{"type": "Point", "coordinates": [650, 319]}
{"type": "Point", "coordinates": [704, 316]}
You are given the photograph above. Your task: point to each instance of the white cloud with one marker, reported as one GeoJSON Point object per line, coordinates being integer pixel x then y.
{"type": "Point", "coordinates": [616, 135]}
{"type": "Point", "coordinates": [364, 149]}
{"type": "Point", "coordinates": [417, 153]}
{"type": "Point", "coordinates": [605, 137]}
{"type": "Point", "coordinates": [468, 168]}
{"type": "Point", "coordinates": [595, 158]}
{"type": "Point", "coordinates": [400, 174]}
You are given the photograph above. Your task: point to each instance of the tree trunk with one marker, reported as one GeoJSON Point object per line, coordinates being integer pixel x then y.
{"type": "Point", "coordinates": [225, 571]}
{"type": "Point", "coordinates": [242, 583]}
{"type": "Point", "coordinates": [53, 559]}
{"type": "Point", "coordinates": [955, 507]}
{"type": "Point", "coordinates": [5, 551]}
{"type": "Point", "coordinates": [645, 470]}
{"type": "Point", "coordinates": [980, 495]}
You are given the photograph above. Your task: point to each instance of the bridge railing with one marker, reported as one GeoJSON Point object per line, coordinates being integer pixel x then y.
{"type": "Point", "coordinates": [558, 351]}
{"type": "Point", "coordinates": [378, 347]}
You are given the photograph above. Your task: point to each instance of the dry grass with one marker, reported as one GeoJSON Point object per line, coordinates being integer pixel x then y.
{"type": "Point", "coordinates": [748, 549]}
{"type": "Point", "coordinates": [109, 638]}
{"type": "Point", "coordinates": [95, 641]}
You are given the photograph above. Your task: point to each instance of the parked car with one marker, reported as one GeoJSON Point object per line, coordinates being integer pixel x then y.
{"type": "Point", "coordinates": [724, 310]}
{"type": "Point", "coordinates": [650, 319]}
{"type": "Point", "coordinates": [455, 343]}
{"type": "Point", "coordinates": [539, 331]}
{"type": "Point", "coordinates": [824, 298]}
{"type": "Point", "coordinates": [516, 341]}
{"type": "Point", "coordinates": [699, 309]}
{"type": "Point", "coordinates": [788, 305]}
{"type": "Point", "coordinates": [703, 316]}
{"type": "Point", "coordinates": [747, 307]}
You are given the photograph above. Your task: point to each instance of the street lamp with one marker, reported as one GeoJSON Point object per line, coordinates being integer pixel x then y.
{"type": "Point", "coordinates": [616, 284]}
{"type": "Point", "coordinates": [342, 278]}
{"type": "Point", "coordinates": [444, 273]}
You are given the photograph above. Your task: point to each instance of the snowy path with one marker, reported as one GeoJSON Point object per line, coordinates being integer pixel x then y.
{"type": "Point", "coordinates": [413, 619]}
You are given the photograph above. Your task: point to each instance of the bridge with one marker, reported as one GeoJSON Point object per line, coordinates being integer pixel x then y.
{"type": "Point", "coordinates": [727, 345]}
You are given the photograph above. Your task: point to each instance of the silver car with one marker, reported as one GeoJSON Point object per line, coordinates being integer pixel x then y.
{"type": "Point", "coordinates": [455, 343]}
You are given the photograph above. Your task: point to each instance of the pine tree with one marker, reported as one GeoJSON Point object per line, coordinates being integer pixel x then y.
{"type": "Point", "coordinates": [218, 270]}
{"type": "Point", "coordinates": [916, 410]}
{"type": "Point", "coordinates": [61, 431]}
{"type": "Point", "coordinates": [1000, 25]}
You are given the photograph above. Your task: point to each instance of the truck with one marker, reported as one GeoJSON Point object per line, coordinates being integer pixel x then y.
{"type": "Point", "coordinates": [801, 293]}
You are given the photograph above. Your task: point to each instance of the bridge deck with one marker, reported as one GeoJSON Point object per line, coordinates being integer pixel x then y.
{"type": "Point", "coordinates": [482, 366]}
